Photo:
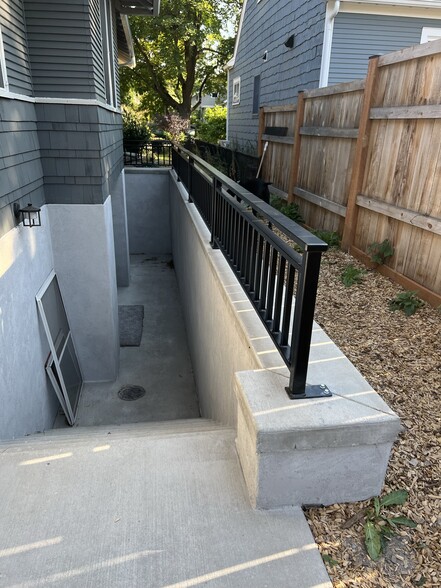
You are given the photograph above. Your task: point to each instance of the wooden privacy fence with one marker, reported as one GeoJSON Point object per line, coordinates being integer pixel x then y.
{"type": "Point", "coordinates": [364, 159]}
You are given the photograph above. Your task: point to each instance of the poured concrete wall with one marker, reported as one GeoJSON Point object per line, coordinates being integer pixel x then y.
{"type": "Point", "coordinates": [148, 211]}
{"type": "Point", "coordinates": [84, 260]}
{"type": "Point", "coordinates": [121, 231]}
{"type": "Point", "coordinates": [27, 401]}
{"type": "Point", "coordinates": [221, 325]}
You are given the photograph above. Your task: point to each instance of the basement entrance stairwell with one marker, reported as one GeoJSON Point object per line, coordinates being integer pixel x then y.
{"type": "Point", "coordinates": [160, 365]}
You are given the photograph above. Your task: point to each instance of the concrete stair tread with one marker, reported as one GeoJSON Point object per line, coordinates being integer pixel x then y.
{"type": "Point", "coordinates": [148, 429]}
{"type": "Point", "coordinates": [154, 510]}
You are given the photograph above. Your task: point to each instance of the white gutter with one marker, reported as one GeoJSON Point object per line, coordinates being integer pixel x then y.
{"type": "Point", "coordinates": [332, 9]}
{"type": "Point", "coordinates": [131, 62]}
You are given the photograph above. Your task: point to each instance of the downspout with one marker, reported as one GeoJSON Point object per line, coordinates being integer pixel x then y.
{"type": "Point", "coordinates": [332, 9]}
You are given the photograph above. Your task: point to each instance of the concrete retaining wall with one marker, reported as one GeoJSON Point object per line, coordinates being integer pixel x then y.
{"type": "Point", "coordinates": [317, 451]}
{"type": "Point", "coordinates": [148, 211]}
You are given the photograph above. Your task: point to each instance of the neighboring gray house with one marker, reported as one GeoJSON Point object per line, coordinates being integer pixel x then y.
{"type": "Point", "coordinates": [284, 46]}
{"type": "Point", "coordinates": [61, 150]}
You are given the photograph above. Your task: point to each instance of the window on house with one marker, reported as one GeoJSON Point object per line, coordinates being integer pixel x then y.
{"type": "Point", "coordinates": [256, 94]}
{"type": "Point", "coordinates": [430, 34]}
{"type": "Point", "coordinates": [108, 56]}
{"type": "Point", "coordinates": [236, 90]}
{"type": "Point", "coordinates": [3, 76]}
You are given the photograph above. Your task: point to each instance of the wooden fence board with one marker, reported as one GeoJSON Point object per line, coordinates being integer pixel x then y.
{"type": "Point", "coordinates": [364, 159]}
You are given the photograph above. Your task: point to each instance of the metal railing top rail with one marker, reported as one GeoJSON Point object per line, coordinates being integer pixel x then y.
{"type": "Point", "coordinates": [306, 240]}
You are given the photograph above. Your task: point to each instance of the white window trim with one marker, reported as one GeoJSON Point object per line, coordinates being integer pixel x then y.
{"type": "Point", "coordinates": [5, 86]}
{"type": "Point", "coordinates": [236, 97]}
{"type": "Point", "coordinates": [430, 34]}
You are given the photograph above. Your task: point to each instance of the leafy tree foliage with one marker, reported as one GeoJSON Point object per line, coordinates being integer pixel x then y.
{"type": "Point", "coordinates": [214, 124]}
{"type": "Point", "coordinates": [180, 54]}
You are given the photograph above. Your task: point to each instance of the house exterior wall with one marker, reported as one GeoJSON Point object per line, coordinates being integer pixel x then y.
{"type": "Point", "coordinates": [27, 401]}
{"type": "Point", "coordinates": [13, 24]}
{"type": "Point", "coordinates": [61, 149]}
{"type": "Point", "coordinates": [266, 27]}
{"type": "Point", "coordinates": [81, 151]}
{"type": "Point", "coordinates": [358, 36]}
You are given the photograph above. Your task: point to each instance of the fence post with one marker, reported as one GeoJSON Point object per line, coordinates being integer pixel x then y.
{"type": "Point", "coordinates": [359, 163]}
{"type": "Point", "coordinates": [300, 113]}
{"type": "Point", "coordinates": [261, 130]}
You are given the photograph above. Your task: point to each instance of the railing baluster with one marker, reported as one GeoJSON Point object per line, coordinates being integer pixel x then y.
{"type": "Point", "coordinates": [269, 270]}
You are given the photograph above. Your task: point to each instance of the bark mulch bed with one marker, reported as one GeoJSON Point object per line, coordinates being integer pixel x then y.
{"type": "Point", "coordinates": [401, 358]}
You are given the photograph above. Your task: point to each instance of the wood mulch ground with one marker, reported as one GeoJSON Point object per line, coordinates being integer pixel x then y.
{"type": "Point", "coordinates": [401, 358]}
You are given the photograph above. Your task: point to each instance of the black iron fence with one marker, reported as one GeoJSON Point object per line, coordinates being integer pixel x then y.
{"type": "Point", "coordinates": [147, 153]}
{"type": "Point", "coordinates": [236, 165]}
{"type": "Point", "coordinates": [280, 281]}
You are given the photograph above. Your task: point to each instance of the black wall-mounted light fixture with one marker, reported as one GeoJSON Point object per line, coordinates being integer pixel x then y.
{"type": "Point", "coordinates": [289, 43]}
{"type": "Point", "coordinates": [30, 215]}
{"type": "Point", "coordinates": [265, 56]}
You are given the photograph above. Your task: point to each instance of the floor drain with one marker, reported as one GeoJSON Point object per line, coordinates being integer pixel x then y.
{"type": "Point", "coordinates": [131, 392]}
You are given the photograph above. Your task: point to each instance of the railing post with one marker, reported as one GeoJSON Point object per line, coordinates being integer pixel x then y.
{"type": "Point", "coordinates": [302, 329]}
{"type": "Point", "coordinates": [214, 201]}
{"type": "Point", "coordinates": [190, 178]}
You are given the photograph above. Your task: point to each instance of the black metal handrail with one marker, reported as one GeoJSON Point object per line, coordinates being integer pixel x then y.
{"type": "Point", "coordinates": [280, 282]}
{"type": "Point", "coordinates": [141, 153]}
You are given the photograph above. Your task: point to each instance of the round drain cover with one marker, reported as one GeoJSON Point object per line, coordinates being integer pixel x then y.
{"type": "Point", "coordinates": [131, 392]}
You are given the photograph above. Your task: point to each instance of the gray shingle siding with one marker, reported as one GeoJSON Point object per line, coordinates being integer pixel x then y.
{"type": "Point", "coordinates": [15, 46]}
{"type": "Point", "coordinates": [81, 152]}
{"type": "Point", "coordinates": [358, 36]}
{"type": "Point", "coordinates": [266, 27]}
{"type": "Point", "coordinates": [21, 173]}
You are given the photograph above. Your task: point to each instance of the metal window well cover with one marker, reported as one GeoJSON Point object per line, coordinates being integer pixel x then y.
{"type": "Point", "coordinates": [130, 324]}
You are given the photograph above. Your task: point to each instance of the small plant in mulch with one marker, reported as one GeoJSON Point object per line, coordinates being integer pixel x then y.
{"type": "Point", "coordinates": [379, 527]}
{"type": "Point", "coordinates": [379, 252]}
{"type": "Point", "coordinates": [352, 275]}
{"type": "Point", "coordinates": [291, 209]}
{"type": "Point", "coordinates": [332, 238]}
{"type": "Point", "coordinates": [407, 301]}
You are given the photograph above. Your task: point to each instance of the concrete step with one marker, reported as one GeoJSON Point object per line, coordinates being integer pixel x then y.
{"type": "Point", "coordinates": [144, 510]}
{"type": "Point", "coordinates": [83, 434]}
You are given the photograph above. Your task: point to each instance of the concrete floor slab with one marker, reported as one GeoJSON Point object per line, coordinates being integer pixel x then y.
{"type": "Point", "coordinates": [161, 364]}
{"type": "Point", "coordinates": [133, 512]}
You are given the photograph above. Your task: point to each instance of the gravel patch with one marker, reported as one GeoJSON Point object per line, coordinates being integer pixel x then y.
{"type": "Point", "coordinates": [401, 357]}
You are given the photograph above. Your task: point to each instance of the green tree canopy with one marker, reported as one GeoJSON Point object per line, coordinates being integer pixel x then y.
{"type": "Point", "coordinates": [180, 54]}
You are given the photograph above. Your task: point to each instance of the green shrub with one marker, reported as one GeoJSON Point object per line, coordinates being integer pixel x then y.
{"type": "Point", "coordinates": [352, 275]}
{"type": "Point", "coordinates": [379, 252]}
{"type": "Point", "coordinates": [332, 238]}
{"type": "Point", "coordinates": [135, 127]}
{"type": "Point", "coordinates": [213, 127]}
{"type": "Point", "coordinates": [406, 301]}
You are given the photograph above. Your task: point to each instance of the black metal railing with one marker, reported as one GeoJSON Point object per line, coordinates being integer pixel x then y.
{"type": "Point", "coordinates": [140, 153]}
{"type": "Point", "coordinates": [280, 282]}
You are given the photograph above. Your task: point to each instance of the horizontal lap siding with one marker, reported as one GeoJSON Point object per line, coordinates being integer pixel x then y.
{"type": "Point", "coordinates": [358, 36]}
{"type": "Point", "coordinates": [266, 27]}
{"type": "Point", "coordinates": [60, 47]}
{"type": "Point", "coordinates": [21, 174]}
{"type": "Point", "coordinates": [97, 49]}
{"type": "Point", "coordinates": [14, 41]}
